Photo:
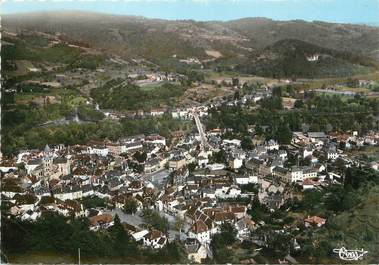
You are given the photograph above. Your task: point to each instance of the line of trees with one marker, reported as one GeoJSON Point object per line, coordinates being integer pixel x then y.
{"type": "Point", "coordinates": [56, 234]}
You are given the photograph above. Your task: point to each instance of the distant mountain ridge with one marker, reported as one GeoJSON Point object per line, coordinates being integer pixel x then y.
{"type": "Point", "coordinates": [231, 41]}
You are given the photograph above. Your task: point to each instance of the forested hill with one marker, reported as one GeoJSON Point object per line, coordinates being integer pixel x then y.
{"type": "Point", "coordinates": [296, 58]}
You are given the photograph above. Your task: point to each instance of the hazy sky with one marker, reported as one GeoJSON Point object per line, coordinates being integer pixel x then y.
{"type": "Point", "coordinates": [346, 11]}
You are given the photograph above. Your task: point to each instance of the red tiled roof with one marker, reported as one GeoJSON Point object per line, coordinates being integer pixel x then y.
{"type": "Point", "coordinates": [309, 182]}
{"type": "Point", "coordinates": [154, 234]}
{"type": "Point", "coordinates": [223, 216]}
{"type": "Point", "coordinates": [104, 218]}
{"type": "Point", "coordinates": [238, 209]}
{"type": "Point", "coordinates": [315, 220]}
{"type": "Point", "coordinates": [199, 227]}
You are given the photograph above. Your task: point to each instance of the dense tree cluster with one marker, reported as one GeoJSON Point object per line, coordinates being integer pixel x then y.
{"type": "Point", "coordinates": [116, 95]}
{"type": "Point", "coordinates": [57, 234]}
{"type": "Point", "coordinates": [88, 113]}
{"type": "Point", "coordinates": [221, 243]}
{"type": "Point", "coordinates": [154, 220]}
{"type": "Point", "coordinates": [93, 202]}
{"type": "Point", "coordinates": [130, 206]}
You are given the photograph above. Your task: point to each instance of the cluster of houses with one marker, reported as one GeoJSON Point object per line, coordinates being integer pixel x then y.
{"type": "Point", "coordinates": [185, 113]}
{"type": "Point", "coordinates": [142, 78]}
{"type": "Point", "coordinates": [183, 180]}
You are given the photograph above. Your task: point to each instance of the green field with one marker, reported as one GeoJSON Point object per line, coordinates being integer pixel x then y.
{"type": "Point", "coordinates": [70, 96]}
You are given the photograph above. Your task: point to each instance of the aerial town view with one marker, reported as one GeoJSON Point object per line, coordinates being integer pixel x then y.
{"type": "Point", "coordinates": [188, 132]}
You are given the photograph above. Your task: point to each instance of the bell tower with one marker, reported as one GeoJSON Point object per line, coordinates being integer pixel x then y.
{"type": "Point", "coordinates": [47, 161]}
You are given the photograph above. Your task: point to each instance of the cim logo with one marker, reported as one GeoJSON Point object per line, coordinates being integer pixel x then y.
{"type": "Point", "coordinates": [350, 255]}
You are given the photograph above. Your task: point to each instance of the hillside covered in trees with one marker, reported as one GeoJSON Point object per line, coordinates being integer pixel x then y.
{"type": "Point", "coordinates": [296, 58]}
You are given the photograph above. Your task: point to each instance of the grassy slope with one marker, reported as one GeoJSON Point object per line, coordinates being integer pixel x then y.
{"type": "Point", "coordinates": [359, 227]}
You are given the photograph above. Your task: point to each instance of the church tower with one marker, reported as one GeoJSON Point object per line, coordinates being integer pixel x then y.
{"type": "Point", "coordinates": [47, 161]}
